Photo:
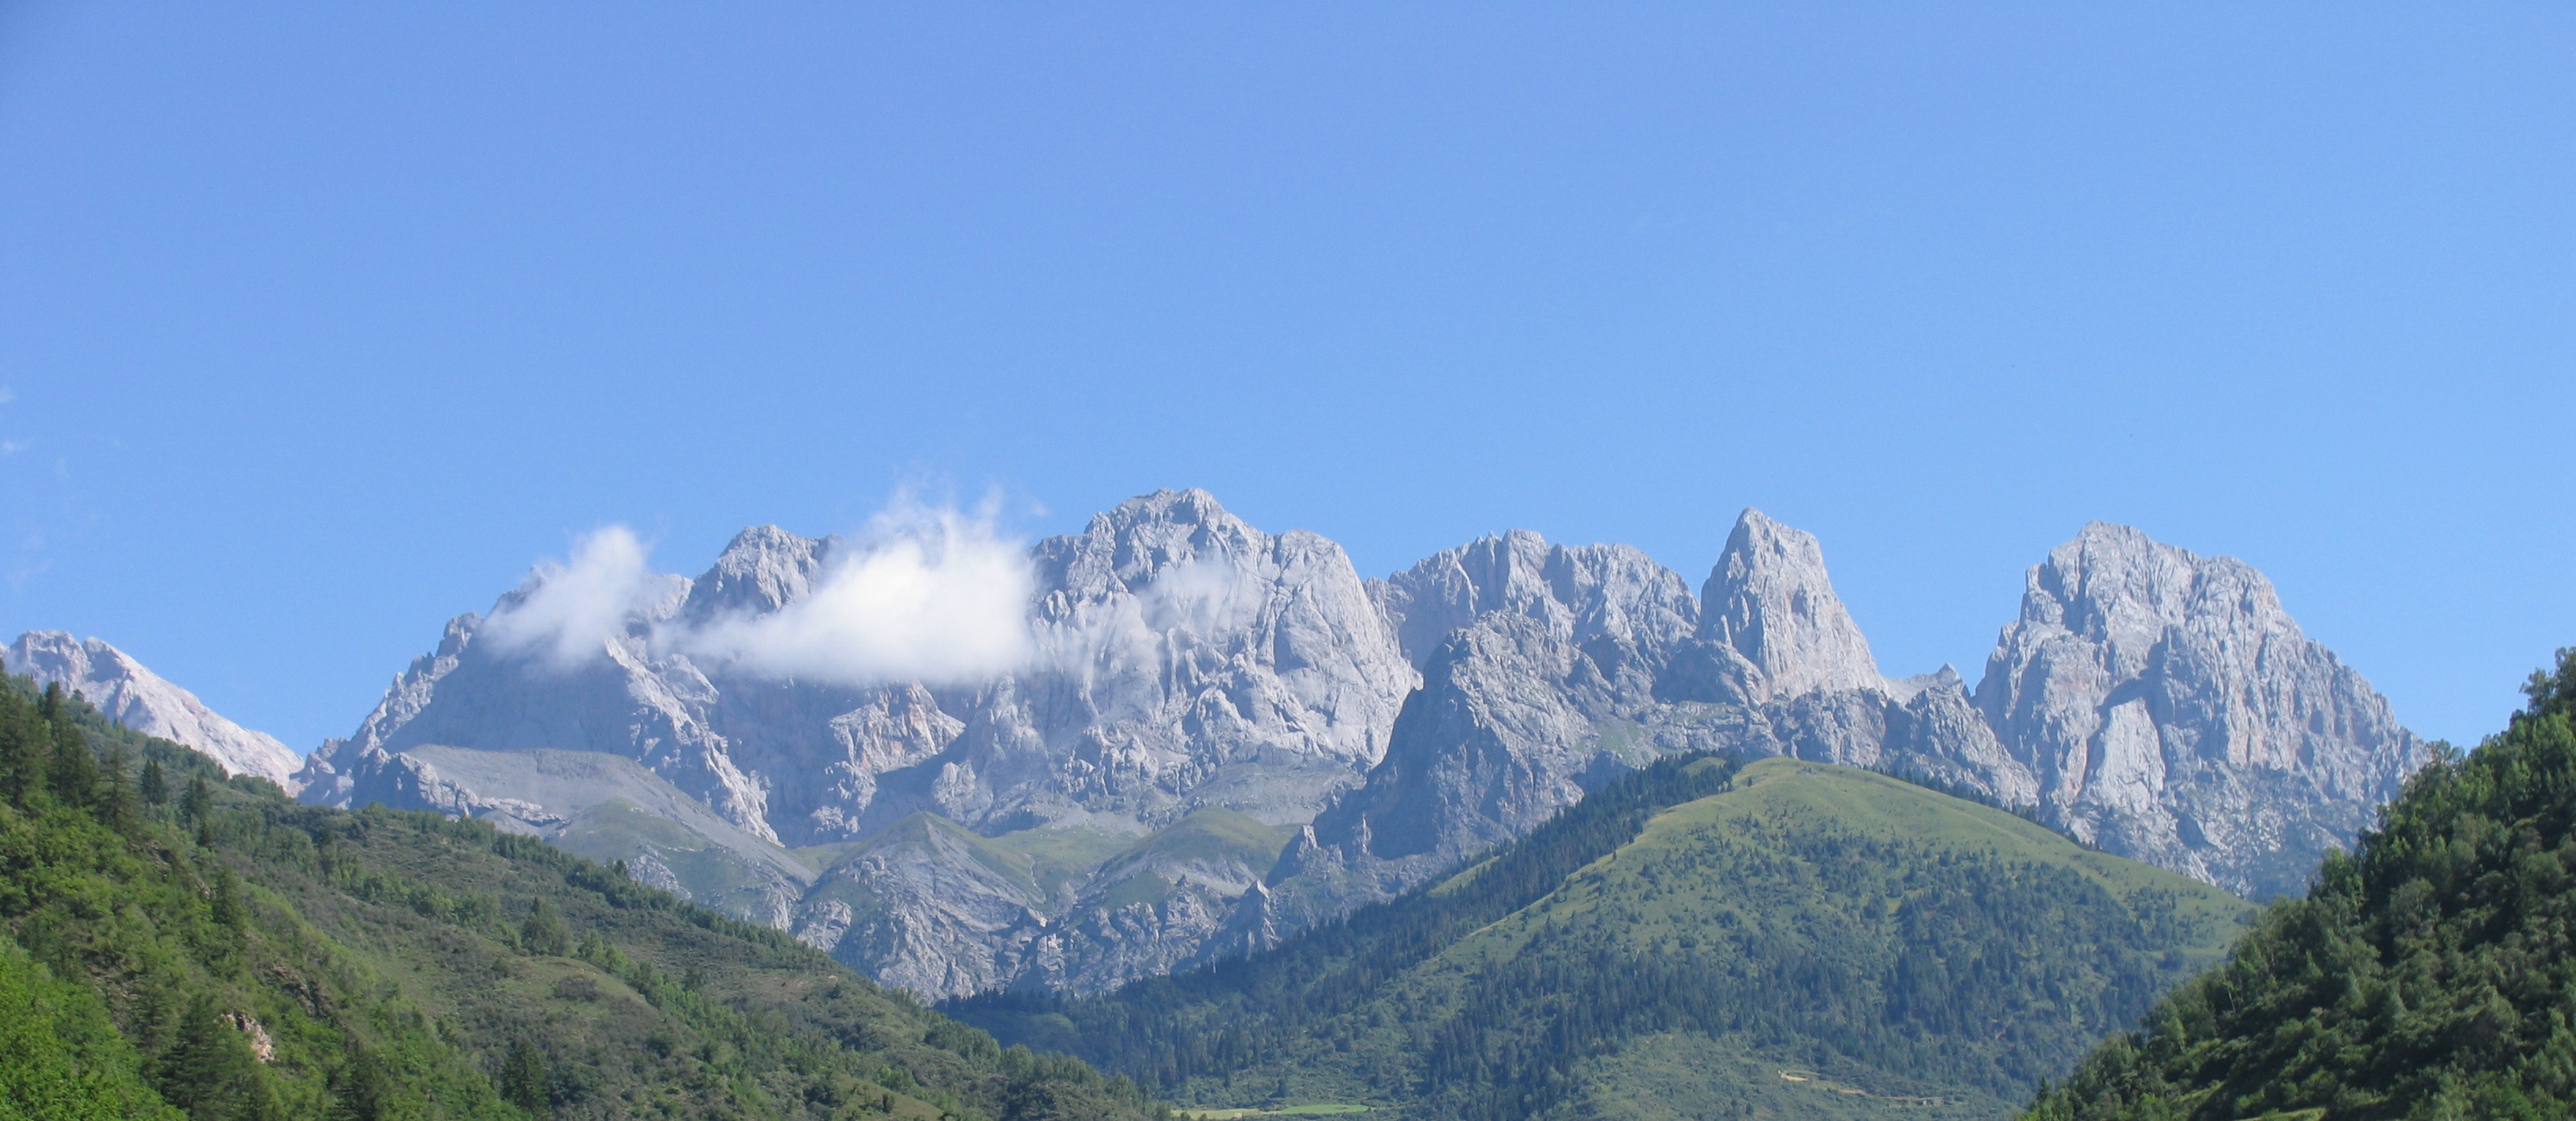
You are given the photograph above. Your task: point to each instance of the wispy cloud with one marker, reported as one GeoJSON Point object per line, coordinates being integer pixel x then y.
{"type": "Point", "coordinates": [565, 614]}
{"type": "Point", "coordinates": [924, 594]}
{"type": "Point", "coordinates": [1209, 595]}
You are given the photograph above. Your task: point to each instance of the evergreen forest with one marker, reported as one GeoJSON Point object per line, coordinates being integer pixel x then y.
{"type": "Point", "coordinates": [2429, 974]}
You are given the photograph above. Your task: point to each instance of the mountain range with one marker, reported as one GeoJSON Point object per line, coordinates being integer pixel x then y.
{"type": "Point", "coordinates": [1218, 737]}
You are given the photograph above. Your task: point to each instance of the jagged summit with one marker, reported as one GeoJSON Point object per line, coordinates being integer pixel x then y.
{"type": "Point", "coordinates": [2176, 713]}
{"type": "Point", "coordinates": [1550, 669]}
{"type": "Point", "coordinates": [1592, 590]}
{"type": "Point", "coordinates": [1769, 600]}
{"type": "Point", "coordinates": [762, 569]}
{"type": "Point", "coordinates": [131, 695]}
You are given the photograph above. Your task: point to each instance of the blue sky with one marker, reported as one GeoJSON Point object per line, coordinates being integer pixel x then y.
{"type": "Point", "coordinates": [319, 324]}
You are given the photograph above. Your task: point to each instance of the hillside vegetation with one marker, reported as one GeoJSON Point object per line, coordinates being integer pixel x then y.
{"type": "Point", "coordinates": [177, 945]}
{"type": "Point", "coordinates": [1694, 940]}
{"type": "Point", "coordinates": [2431, 974]}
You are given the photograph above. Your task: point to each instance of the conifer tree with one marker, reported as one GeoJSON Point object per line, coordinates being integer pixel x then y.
{"type": "Point", "coordinates": [19, 751]}
{"type": "Point", "coordinates": [156, 785]}
{"type": "Point", "coordinates": [359, 1089]}
{"type": "Point", "coordinates": [74, 773]}
{"type": "Point", "coordinates": [116, 792]}
{"type": "Point", "coordinates": [199, 799]}
{"type": "Point", "coordinates": [209, 1071]}
{"type": "Point", "coordinates": [523, 1079]}
{"type": "Point", "coordinates": [228, 907]}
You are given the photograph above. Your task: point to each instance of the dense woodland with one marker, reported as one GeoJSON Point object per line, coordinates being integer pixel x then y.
{"type": "Point", "coordinates": [2430, 974]}
{"type": "Point", "coordinates": [1940, 966]}
{"type": "Point", "coordinates": [179, 945]}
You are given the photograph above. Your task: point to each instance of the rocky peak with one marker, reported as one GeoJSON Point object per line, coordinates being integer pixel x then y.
{"type": "Point", "coordinates": [1770, 624]}
{"type": "Point", "coordinates": [763, 569]}
{"type": "Point", "coordinates": [1127, 549]}
{"type": "Point", "coordinates": [2114, 585]}
{"type": "Point", "coordinates": [1589, 591]}
{"type": "Point", "coordinates": [2175, 713]}
{"type": "Point", "coordinates": [131, 695]}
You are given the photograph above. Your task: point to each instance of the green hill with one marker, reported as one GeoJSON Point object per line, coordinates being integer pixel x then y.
{"type": "Point", "coordinates": [1790, 939]}
{"type": "Point", "coordinates": [2431, 974]}
{"type": "Point", "coordinates": [175, 945]}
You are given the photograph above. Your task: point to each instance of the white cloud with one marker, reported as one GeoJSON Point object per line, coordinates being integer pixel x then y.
{"type": "Point", "coordinates": [565, 614]}
{"type": "Point", "coordinates": [923, 595]}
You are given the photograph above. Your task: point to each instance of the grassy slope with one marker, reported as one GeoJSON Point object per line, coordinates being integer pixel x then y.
{"type": "Point", "coordinates": [619, 810]}
{"type": "Point", "coordinates": [1062, 871]}
{"type": "Point", "coordinates": [1213, 836]}
{"type": "Point", "coordinates": [401, 965]}
{"type": "Point", "coordinates": [1859, 933]}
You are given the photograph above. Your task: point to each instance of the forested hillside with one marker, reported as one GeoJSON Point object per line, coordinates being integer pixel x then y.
{"type": "Point", "coordinates": [1693, 940]}
{"type": "Point", "coordinates": [2431, 974]}
{"type": "Point", "coordinates": [182, 946]}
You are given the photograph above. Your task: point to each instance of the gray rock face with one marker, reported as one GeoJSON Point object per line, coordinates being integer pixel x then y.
{"type": "Point", "coordinates": [139, 699]}
{"type": "Point", "coordinates": [1184, 659]}
{"type": "Point", "coordinates": [1550, 670]}
{"type": "Point", "coordinates": [2158, 704]}
{"type": "Point", "coordinates": [939, 909]}
{"type": "Point", "coordinates": [1771, 626]}
{"type": "Point", "coordinates": [2178, 716]}
{"type": "Point", "coordinates": [1536, 660]}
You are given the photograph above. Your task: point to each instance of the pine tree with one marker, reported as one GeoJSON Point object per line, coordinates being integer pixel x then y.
{"type": "Point", "coordinates": [116, 793]}
{"type": "Point", "coordinates": [207, 1071]}
{"type": "Point", "coordinates": [258, 1099]}
{"type": "Point", "coordinates": [198, 800]}
{"type": "Point", "coordinates": [359, 1089]}
{"type": "Point", "coordinates": [228, 907]}
{"type": "Point", "coordinates": [523, 1078]}
{"type": "Point", "coordinates": [156, 786]}
{"type": "Point", "coordinates": [74, 772]}
{"type": "Point", "coordinates": [20, 735]}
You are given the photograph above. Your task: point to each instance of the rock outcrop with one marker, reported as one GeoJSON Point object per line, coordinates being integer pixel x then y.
{"type": "Point", "coordinates": [139, 699]}
{"type": "Point", "coordinates": [1536, 660]}
{"type": "Point", "coordinates": [1771, 627]}
{"type": "Point", "coordinates": [939, 909]}
{"type": "Point", "coordinates": [2176, 714]}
